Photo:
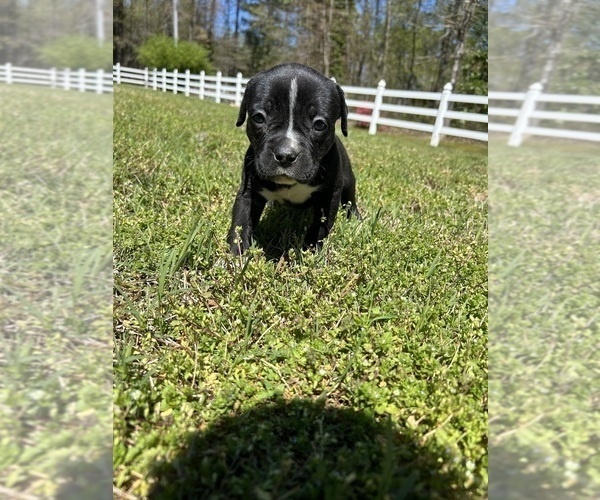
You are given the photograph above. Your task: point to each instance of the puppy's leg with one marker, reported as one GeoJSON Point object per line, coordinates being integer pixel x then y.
{"type": "Point", "coordinates": [348, 196]}
{"type": "Point", "coordinates": [349, 199]}
{"type": "Point", "coordinates": [325, 212]}
{"type": "Point", "coordinates": [247, 210]}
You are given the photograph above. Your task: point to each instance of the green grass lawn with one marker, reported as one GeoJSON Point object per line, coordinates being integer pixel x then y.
{"type": "Point", "coordinates": [358, 372]}
{"type": "Point", "coordinates": [55, 293]}
{"type": "Point", "coordinates": [544, 303]}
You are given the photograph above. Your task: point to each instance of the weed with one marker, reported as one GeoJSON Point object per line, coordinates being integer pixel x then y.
{"type": "Point", "coordinates": [359, 370]}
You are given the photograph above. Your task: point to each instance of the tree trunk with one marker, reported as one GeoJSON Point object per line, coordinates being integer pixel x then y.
{"type": "Point", "coordinates": [446, 44]}
{"type": "Point", "coordinates": [531, 51]}
{"type": "Point", "coordinates": [382, 67]}
{"type": "Point", "coordinates": [466, 15]}
{"type": "Point", "coordinates": [212, 20]}
{"type": "Point", "coordinates": [567, 11]}
{"type": "Point", "coordinates": [236, 32]}
{"type": "Point", "coordinates": [192, 20]}
{"type": "Point", "coordinates": [348, 56]}
{"type": "Point", "coordinates": [328, 20]}
{"type": "Point", "coordinates": [413, 55]}
{"type": "Point", "coordinates": [118, 31]}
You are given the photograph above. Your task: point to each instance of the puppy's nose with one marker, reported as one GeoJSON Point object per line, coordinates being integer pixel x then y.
{"type": "Point", "coordinates": [286, 155]}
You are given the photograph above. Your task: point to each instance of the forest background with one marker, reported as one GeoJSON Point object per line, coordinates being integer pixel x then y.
{"type": "Point", "coordinates": [412, 44]}
{"type": "Point", "coordinates": [418, 45]}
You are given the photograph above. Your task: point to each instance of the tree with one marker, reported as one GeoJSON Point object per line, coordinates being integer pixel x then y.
{"type": "Point", "coordinates": [563, 13]}
{"type": "Point", "coordinates": [410, 44]}
{"type": "Point", "coordinates": [465, 14]}
{"type": "Point", "coordinates": [458, 21]}
{"type": "Point", "coordinates": [27, 26]}
{"type": "Point", "coordinates": [550, 41]}
{"type": "Point", "coordinates": [160, 51]}
{"type": "Point", "coordinates": [76, 51]}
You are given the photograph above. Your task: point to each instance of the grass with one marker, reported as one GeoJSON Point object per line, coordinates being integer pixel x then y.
{"type": "Point", "coordinates": [55, 294]}
{"type": "Point", "coordinates": [544, 303]}
{"type": "Point", "coordinates": [358, 372]}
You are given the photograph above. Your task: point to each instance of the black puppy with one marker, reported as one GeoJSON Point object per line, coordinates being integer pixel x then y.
{"type": "Point", "coordinates": [294, 155]}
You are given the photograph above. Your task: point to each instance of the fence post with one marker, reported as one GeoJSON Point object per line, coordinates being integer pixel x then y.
{"type": "Point", "coordinates": [175, 81]}
{"type": "Point", "coordinates": [8, 68]}
{"type": "Point", "coordinates": [238, 90]}
{"type": "Point", "coordinates": [218, 91]}
{"type": "Point", "coordinates": [99, 81]}
{"type": "Point", "coordinates": [376, 106]}
{"type": "Point", "coordinates": [145, 78]}
{"type": "Point", "coordinates": [201, 92]}
{"type": "Point", "coordinates": [439, 118]}
{"type": "Point", "coordinates": [154, 79]}
{"type": "Point", "coordinates": [119, 73]}
{"type": "Point", "coordinates": [516, 136]}
{"type": "Point", "coordinates": [52, 78]}
{"type": "Point", "coordinates": [81, 80]}
{"type": "Point", "coordinates": [67, 79]}
{"type": "Point", "coordinates": [164, 79]}
{"type": "Point", "coordinates": [187, 82]}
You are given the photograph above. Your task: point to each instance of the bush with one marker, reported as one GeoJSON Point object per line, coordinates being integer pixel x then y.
{"type": "Point", "coordinates": [160, 52]}
{"type": "Point", "coordinates": [77, 51]}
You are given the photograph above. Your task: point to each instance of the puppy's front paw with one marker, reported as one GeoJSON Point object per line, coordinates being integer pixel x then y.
{"type": "Point", "coordinates": [314, 245]}
{"type": "Point", "coordinates": [236, 242]}
{"type": "Point", "coordinates": [352, 210]}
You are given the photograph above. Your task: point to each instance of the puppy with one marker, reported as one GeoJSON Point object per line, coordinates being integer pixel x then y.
{"type": "Point", "coordinates": [294, 155]}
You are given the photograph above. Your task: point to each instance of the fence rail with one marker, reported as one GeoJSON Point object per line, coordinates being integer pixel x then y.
{"type": "Point", "coordinates": [81, 80]}
{"type": "Point", "coordinates": [522, 106]}
{"type": "Point", "coordinates": [359, 99]}
{"type": "Point", "coordinates": [515, 113]}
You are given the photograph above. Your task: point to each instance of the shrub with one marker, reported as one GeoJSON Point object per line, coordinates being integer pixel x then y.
{"type": "Point", "coordinates": [160, 52]}
{"type": "Point", "coordinates": [77, 51]}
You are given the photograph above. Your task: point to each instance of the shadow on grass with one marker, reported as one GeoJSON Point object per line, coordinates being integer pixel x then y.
{"type": "Point", "coordinates": [302, 449]}
{"type": "Point", "coordinates": [522, 474]}
{"type": "Point", "coordinates": [282, 228]}
{"type": "Point", "coordinates": [89, 480]}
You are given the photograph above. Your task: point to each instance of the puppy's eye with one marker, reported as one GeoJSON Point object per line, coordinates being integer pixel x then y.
{"type": "Point", "coordinates": [319, 125]}
{"type": "Point", "coordinates": [258, 118]}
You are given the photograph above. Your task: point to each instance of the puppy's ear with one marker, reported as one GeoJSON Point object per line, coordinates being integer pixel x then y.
{"type": "Point", "coordinates": [243, 110]}
{"type": "Point", "coordinates": [245, 100]}
{"type": "Point", "coordinates": [344, 112]}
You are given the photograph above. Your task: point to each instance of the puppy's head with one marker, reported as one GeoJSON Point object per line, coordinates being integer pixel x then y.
{"type": "Point", "coordinates": [292, 110]}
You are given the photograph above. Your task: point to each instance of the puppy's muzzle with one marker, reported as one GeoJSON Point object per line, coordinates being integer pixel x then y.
{"type": "Point", "coordinates": [285, 154]}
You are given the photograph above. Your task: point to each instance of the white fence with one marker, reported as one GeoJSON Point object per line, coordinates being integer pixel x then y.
{"type": "Point", "coordinates": [525, 117]}
{"type": "Point", "coordinates": [514, 113]}
{"type": "Point", "coordinates": [371, 101]}
{"type": "Point", "coordinates": [439, 114]}
{"type": "Point", "coordinates": [220, 88]}
{"type": "Point", "coordinates": [67, 79]}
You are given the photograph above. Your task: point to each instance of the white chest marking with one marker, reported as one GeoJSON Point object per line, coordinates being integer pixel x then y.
{"type": "Point", "coordinates": [296, 194]}
{"type": "Point", "coordinates": [293, 95]}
